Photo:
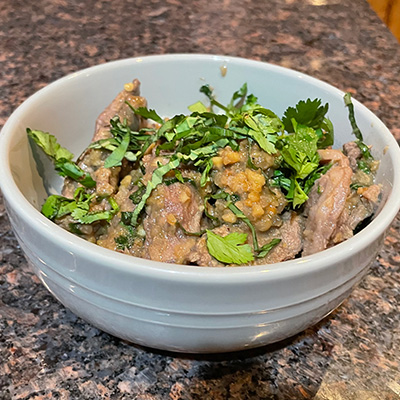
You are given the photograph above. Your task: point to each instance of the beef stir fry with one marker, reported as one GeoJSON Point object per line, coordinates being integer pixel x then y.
{"type": "Point", "coordinates": [237, 187]}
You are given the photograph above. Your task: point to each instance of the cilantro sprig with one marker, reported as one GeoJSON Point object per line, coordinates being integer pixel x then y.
{"type": "Point", "coordinates": [299, 160]}
{"type": "Point", "coordinates": [61, 157]}
{"type": "Point", "coordinates": [311, 113]}
{"type": "Point", "coordinates": [229, 249]}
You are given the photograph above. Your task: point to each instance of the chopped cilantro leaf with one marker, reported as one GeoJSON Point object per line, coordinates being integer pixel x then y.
{"type": "Point", "coordinates": [79, 208]}
{"type": "Point", "coordinates": [61, 157]}
{"type": "Point", "coordinates": [48, 143]}
{"type": "Point", "coordinates": [264, 250]}
{"type": "Point", "coordinates": [309, 113]}
{"type": "Point", "coordinates": [229, 249]}
{"type": "Point", "coordinates": [146, 113]}
{"type": "Point", "coordinates": [115, 158]}
{"type": "Point", "coordinates": [198, 107]}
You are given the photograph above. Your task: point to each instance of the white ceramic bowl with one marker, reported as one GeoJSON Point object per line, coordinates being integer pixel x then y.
{"type": "Point", "coordinates": [174, 307]}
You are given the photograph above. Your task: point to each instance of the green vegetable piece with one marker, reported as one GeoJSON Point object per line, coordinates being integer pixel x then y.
{"type": "Point", "coordinates": [229, 249]}
{"type": "Point", "coordinates": [205, 174]}
{"type": "Point", "coordinates": [187, 124]}
{"type": "Point", "coordinates": [325, 134]}
{"type": "Point", "coordinates": [51, 206]}
{"type": "Point", "coordinates": [299, 151]}
{"type": "Point", "coordinates": [146, 113]}
{"type": "Point", "coordinates": [208, 92]}
{"type": "Point", "coordinates": [178, 176]}
{"type": "Point", "coordinates": [264, 250]}
{"type": "Point", "coordinates": [61, 157]}
{"type": "Point", "coordinates": [73, 171]}
{"type": "Point", "coordinates": [198, 107]}
{"type": "Point", "coordinates": [58, 206]}
{"type": "Point", "coordinates": [126, 241]}
{"type": "Point", "coordinates": [238, 95]}
{"type": "Point", "coordinates": [355, 186]}
{"type": "Point", "coordinates": [299, 196]}
{"type": "Point", "coordinates": [48, 143]}
{"type": "Point", "coordinates": [115, 158]}
{"type": "Point", "coordinates": [108, 144]}
{"type": "Point", "coordinates": [363, 166]}
{"type": "Point", "coordinates": [349, 104]}
{"type": "Point", "coordinates": [364, 150]}
{"type": "Point", "coordinates": [89, 218]}
{"type": "Point", "coordinates": [280, 180]}
{"type": "Point", "coordinates": [309, 113]}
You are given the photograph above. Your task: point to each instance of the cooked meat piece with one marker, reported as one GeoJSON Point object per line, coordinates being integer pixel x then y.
{"type": "Point", "coordinates": [371, 193]}
{"type": "Point", "coordinates": [353, 153]}
{"type": "Point", "coordinates": [91, 159]}
{"type": "Point", "coordinates": [326, 202]}
{"type": "Point", "coordinates": [357, 209]}
{"type": "Point", "coordinates": [167, 208]}
{"type": "Point", "coordinates": [334, 156]}
{"type": "Point", "coordinates": [291, 235]}
{"type": "Point", "coordinates": [106, 180]}
{"type": "Point", "coordinates": [119, 107]}
{"type": "Point", "coordinates": [359, 206]}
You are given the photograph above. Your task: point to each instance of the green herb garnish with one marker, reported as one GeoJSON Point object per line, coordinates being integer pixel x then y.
{"type": "Point", "coordinates": [79, 208]}
{"type": "Point", "coordinates": [61, 157]}
{"type": "Point", "coordinates": [229, 249]}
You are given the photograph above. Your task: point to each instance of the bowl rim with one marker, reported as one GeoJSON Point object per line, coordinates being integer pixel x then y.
{"type": "Point", "coordinates": [131, 264]}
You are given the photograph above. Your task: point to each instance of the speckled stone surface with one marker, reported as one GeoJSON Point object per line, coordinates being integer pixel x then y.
{"type": "Point", "coordinates": [46, 352]}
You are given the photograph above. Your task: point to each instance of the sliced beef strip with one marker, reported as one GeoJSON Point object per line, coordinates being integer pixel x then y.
{"type": "Point", "coordinates": [91, 160]}
{"type": "Point", "coordinates": [355, 212]}
{"type": "Point", "coordinates": [372, 194]}
{"type": "Point", "coordinates": [166, 207]}
{"type": "Point", "coordinates": [358, 208]}
{"type": "Point", "coordinates": [119, 107]}
{"type": "Point", "coordinates": [353, 153]}
{"type": "Point", "coordinates": [291, 235]}
{"type": "Point", "coordinates": [326, 202]}
{"type": "Point", "coordinates": [334, 156]}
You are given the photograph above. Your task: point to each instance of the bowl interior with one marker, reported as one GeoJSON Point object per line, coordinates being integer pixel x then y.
{"type": "Point", "coordinates": [69, 107]}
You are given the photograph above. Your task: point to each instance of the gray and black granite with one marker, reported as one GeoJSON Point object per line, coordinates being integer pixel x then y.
{"type": "Point", "coordinates": [46, 352]}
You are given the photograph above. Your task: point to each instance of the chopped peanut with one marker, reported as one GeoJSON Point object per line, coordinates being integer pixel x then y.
{"type": "Point", "coordinates": [128, 87]}
{"type": "Point", "coordinates": [256, 179]}
{"type": "Point", "coordinates": [254, 196]}
{"type": "Point", "coordinates": [217, 162]}
{"type": "Point", "coordinates": [171, 219]}
{"type": "Point", "coordinates": [229, 156]}
{"type": "Point", "coordinates": [272, 210]}
{"type": "Point", "coordinates": [229, 216]}
{"type": "Point", "coordinates": [257, 211]}
{"type": "Point", "coordinates": [184, 197]}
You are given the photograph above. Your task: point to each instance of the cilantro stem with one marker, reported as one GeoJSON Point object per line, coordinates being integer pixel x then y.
{"type": "Point", "coordinates": [356, 130]}
{"type": "Point", "coordinates": [239, 213]}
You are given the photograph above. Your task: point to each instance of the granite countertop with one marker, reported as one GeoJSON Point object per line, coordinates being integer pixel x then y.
{"type": "Point", "coordinates": [46, 352]}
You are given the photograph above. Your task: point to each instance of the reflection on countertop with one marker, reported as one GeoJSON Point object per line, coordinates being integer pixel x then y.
{"type": "Point", "coordinates": [47, 352]}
